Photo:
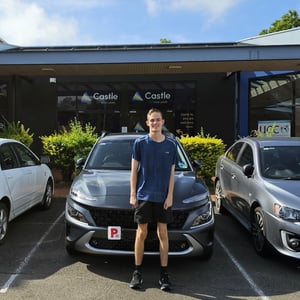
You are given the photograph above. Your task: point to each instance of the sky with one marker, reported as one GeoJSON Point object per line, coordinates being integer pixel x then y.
{"type": "Point", "coordinates": [127, 22]}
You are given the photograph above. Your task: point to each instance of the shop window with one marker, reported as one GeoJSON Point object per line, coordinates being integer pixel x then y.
{"type": "Point", "coordinates": [123, 106]}
{"type": "Point", "coordinates": [3, 103]}
{"type": "Point", "coordinates": [177, 101]}
{"type": "Point", "coordinates": [297, 106]}
{"type": "Point", "coordinates": [90, 102]}
{"type": "Point", "coordinates": [276, 100]}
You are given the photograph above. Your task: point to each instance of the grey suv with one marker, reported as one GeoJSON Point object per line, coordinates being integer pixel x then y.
{"type": "Point", "coordinates": [99, 218]}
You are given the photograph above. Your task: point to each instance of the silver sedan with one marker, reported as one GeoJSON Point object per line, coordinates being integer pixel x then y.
{"type": "Point", "coordinates": [258, 182]}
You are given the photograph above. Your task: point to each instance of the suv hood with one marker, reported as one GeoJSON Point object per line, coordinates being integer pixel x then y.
{"type": "Point", "coordinates": [111, 189]}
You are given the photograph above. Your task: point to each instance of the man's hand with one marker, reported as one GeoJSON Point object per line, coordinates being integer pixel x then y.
{"type": "Point", "coordinates": [133, 201]}
{"type": "Point", "coordinates": [168, 202]}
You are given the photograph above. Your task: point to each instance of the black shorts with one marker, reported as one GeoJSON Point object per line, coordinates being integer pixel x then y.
{"type": "Point", "coordinates": [148, 212]}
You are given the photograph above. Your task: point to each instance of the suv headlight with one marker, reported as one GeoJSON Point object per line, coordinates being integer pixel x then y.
{"type": "Point", "coordinates": [75, 214]}
{"type": "Point", "coordinates": [204, 217]}
{"type": "Point", "coordinates": [286, 213]}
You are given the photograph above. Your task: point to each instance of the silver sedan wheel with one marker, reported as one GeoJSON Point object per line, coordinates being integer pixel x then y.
{"type": "Point", "coordinates": [260, 241]}
{"type": "Point", "coordinates": [219, 198]}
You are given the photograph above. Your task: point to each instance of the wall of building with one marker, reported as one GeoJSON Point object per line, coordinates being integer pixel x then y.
{"type": "Point", "coordinates": [34, 102]}
{"type": "Point", "coordinates": [35, 106]}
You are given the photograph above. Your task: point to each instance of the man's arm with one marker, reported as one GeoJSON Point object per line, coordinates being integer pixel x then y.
{"type": "Point", "coordinates": [133, 182]}
{"type": "Point", "coordinates": [169, 200]}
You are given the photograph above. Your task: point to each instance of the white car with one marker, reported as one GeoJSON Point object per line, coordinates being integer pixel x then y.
{"type": "Point", "coordinates": [24, 182]}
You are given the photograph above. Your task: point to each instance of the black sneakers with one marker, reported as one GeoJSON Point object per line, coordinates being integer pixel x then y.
{"type": "Point", "coordinates": [164, 282]}
{"type": "Point", "coordinates": [136, 281]}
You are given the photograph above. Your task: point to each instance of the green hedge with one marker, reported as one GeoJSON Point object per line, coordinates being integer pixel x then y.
{"type": "Point", "coordinates": [17, 131]}
{"type": "Point", "coordinates": [69, 144]}
{"type": "Point", "coordinates": [206, 150]}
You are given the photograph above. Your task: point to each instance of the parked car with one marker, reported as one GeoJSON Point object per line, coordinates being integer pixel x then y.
{"type": "Point", "coordinates": [24, 182]}
{"type": "Point", "coordinates": [258, 182]}
{"type": "Point", "coordinates": [99, 218]}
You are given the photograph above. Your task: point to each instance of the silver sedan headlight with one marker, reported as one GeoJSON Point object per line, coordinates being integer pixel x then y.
{"type": "Point", "coordinates": [286, 213]}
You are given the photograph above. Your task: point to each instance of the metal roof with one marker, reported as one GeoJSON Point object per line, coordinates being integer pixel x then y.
{"type": "Point", "coordinates": [148, 59]}
{"type": "Point", "coordinates": [284, 37]}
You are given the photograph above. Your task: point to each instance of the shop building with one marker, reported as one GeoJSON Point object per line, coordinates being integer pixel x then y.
{"type": "Point", "coordinates": [226, 89]}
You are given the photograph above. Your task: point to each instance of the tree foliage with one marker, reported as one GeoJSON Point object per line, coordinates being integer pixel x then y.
{"type": "Point", "coordinates": [17, 131]}
{"type": "Point", "coordinates": [165, 41]}
{"type": "Point", "coordinates": [287, 21]}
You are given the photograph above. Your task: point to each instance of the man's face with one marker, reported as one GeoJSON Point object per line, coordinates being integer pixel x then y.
{"type": "Point", "coordinates": [155, 122]}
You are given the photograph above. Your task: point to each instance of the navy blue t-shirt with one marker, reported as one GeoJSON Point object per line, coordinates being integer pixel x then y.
{"type": "Point", "coordinates": [155, 164]}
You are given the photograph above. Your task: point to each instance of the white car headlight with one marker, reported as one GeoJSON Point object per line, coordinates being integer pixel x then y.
{"type": "Point", "coordinates": [286, 213]}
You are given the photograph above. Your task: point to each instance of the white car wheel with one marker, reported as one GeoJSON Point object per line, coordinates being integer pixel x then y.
{"type": "Point", "coordinates": [3, 221]}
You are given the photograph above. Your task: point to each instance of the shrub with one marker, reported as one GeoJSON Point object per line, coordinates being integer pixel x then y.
{"type": "Point", "coordinates": [66, 146]}
{"type": "Point", "coordinates": [206, 149]}
{"type": "Point", "coordinates": [17, 131]}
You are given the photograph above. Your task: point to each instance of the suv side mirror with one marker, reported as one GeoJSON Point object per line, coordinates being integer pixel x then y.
{"type": "Point", "coordinates": [79, 163]}
{"type": "Point", "coordinates": [197, 164]}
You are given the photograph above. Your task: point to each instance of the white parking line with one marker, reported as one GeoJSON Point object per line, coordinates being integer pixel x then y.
{"type": "Point", "coordinates": [246, 276]}
{"type": "Point", "coordinates": [19, 269]}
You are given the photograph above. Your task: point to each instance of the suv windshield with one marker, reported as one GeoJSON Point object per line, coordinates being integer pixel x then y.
{"type": "Point", "coordinates": [116, 155]}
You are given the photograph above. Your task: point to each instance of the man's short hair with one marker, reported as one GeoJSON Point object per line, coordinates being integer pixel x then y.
{"type": "Point", "coordinates": [153, 110]}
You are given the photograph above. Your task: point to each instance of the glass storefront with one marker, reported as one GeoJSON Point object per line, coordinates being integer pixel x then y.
{"type": "Point", "coordinates": [3, 104]}
{"type": "Point", "coordinates": [123, 106]}
{"type": "Point", "coordinates": [274, 104]}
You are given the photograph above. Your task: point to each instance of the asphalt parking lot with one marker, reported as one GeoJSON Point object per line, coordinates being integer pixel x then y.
{"type": "Point", "coordinates": [35, 265]}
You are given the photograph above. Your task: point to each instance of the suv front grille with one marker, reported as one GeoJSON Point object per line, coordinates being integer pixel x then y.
{"type": "Point", "coordinates": [113, 217]}
{"type": "Point", "coordinates": [128, 245]}
{"type": "Point", "coordinates": [124, 218]}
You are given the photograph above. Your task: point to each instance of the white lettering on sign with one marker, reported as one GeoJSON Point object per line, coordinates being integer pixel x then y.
{"type": "Point", "coordinates": [157, 96]}
{"type": "Point", "coordinates": [105, 97]}
{"type": "Point", "coordinates": [114, 232]}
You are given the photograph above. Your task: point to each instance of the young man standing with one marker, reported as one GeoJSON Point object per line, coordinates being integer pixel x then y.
{"type": "Point", "coordinates": [152, 184]}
